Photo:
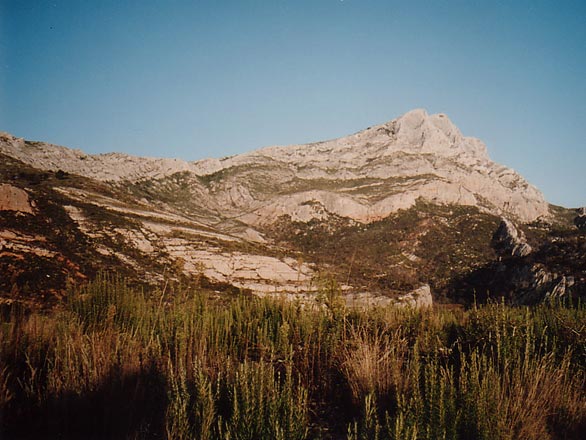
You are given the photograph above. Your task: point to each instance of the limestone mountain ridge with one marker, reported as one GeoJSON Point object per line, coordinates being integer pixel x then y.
{"type": "Point", "coordinates": [364, 176]}
{"type": "Point", "coordinates": [384, 211]}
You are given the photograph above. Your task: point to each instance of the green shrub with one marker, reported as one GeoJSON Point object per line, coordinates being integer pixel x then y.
{"type": "Point", "coordinates": [114, 362]}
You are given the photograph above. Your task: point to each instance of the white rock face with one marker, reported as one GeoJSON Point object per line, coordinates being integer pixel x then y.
{"type": "Point", "coordinates": [105, 167]}
{"type": "Point", "coordinates": [415, 156]}
{"type": "Point", "coordinates": [261, 274]}
{"type": "Point", "coordinates": [418, 298]}
{"type": "Point", "coordinates": [413, 133]}
{"type": "Point", "coordinates": [364, 176]}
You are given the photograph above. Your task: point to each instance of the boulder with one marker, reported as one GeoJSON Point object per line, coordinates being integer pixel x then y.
{"type": "Point", "coordinates": [419, 298]}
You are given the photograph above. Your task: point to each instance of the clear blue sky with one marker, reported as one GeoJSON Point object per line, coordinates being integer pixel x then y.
{"type": "Point", "coordinates": [194, 79]}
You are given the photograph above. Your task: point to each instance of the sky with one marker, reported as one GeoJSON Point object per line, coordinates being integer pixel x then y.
{"type": "Point", "coordinates": [203, 78]}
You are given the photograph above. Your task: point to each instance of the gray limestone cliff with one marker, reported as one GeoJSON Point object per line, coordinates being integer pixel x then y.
{"type": "Point", "coordinates": [214, 217]}
{"type": "Point", "coordinates": [364, 176]}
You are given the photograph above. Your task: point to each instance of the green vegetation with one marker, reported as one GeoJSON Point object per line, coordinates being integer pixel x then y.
{"type": "Point", "coordinates": [114, 362]}
{"type": "Point", "coordinates": [448, 241]}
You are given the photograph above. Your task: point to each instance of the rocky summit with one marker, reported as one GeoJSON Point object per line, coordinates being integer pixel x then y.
{"type": "Point", "coordinates": [398, 209]}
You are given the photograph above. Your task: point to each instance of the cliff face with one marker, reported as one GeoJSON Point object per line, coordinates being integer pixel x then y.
{"type": "Point", "coordinates": [368, 175]}
{"type": "Point", "coordinates": [248, 220]}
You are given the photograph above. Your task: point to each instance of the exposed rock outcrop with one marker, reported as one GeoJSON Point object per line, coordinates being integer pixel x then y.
{"type": "Point", "coordinates": [556, 269]}
{"type": "Point", "coordinates": [418, 298]}
{"type": "Point", "coordinates": [368, 175]}
{"type": "Point", "coordinates": [114, 167]}
{"type": "Point", "coordinates": [534, 283]}
{"type": "Point", "coordinates": [14, 199]}
{"type": "Point", "coordinates": [509, 241]}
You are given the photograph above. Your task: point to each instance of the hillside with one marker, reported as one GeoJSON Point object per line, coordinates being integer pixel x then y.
{"type": "Point", "coordinates": [400, 212]}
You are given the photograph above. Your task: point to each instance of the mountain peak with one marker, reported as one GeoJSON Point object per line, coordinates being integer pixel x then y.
{"type": "Point", "coordinates": [363, 176]}
{"type": "Point", "coordinates": [417, 114]}
{"type": "Point", "coordinates": [419, 132]}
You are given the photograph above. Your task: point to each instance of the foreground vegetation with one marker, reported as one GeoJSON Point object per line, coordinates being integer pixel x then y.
{"type": "Point", "coordinates": [178, 364]}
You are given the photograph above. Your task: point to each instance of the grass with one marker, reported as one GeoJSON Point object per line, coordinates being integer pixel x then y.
{"type": "Point", "coordinates": [116, 362]}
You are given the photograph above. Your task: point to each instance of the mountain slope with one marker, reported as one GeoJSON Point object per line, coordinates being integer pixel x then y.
{"type": "Point", "coordinates": [383, 211]}
{"type": "Point", "coordinates": [370, 174]}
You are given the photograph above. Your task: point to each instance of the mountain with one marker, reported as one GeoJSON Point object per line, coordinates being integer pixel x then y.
{"type": "Point", "coordinates": [392, 213]}
{"type": "Point", "coordinates": [365, 176]}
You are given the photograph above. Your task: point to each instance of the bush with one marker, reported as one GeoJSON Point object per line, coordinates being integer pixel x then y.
{"type": "Point", "coordinates": [119, 363]}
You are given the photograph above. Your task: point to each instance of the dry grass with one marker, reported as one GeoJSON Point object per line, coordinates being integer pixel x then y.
{"type": "Point", "coordinates": [119, 363]}
{"type": "Point", "coordinates": [373, 361]}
